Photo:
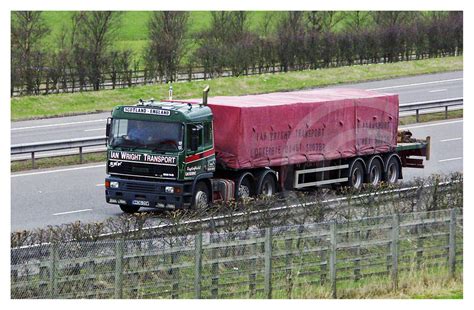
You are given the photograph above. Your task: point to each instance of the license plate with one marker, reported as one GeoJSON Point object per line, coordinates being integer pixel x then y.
{"type": "Point", "coordinates": [141, 203]}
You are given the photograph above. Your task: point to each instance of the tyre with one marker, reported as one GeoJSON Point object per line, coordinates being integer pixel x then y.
{"type": "Point", "coordinates": [202, 196]}
{"type": "Point", "coordinates": [356, 175]}
{"type": "Point", "coordinates": [244, 188]}
{"type": "Point", "coordinates": [267, 186]}
{"type": "Point", "coordinates": [392, 173]}
{"type": "Point", "coordinates": [375, 172]}
{"type": "Point", "coordinates": [129, 209]}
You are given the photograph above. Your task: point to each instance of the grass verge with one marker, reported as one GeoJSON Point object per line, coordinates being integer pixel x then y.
{"type": "Point", "coordinates": [58, 161]}
{"type": "Point", "coordinates": [30, 107]}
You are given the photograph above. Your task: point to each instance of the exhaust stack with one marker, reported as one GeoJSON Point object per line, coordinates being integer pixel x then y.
{"type": "Point", "coordinates": [204, 95]}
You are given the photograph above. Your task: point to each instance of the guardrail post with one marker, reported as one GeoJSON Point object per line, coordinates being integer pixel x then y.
{"type": "Point", "coordinates": [119, 251]}
{"type": "Point", "coordinates": [394, 249]}
{"type": "Point", "coordinates": [53, 269]}
{"type": "Point", "coordinates": [446, 112]}
{"type": "Point", "coordinates": [417, 115]}
{"type": "Point", "coordinates": [332, 258]}
{"type": "Point", "coordinates": [198, 265]}
{"type": "Point", "coordinates": [452, 243]}
{"type": "Point", "coordinates": [268, 262]}
{"type": "Point", "coordinates": [80, 155]}
{"type": "Point", "coordinates": [33, 160]}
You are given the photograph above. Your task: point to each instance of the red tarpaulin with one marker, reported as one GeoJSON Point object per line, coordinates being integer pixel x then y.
{"type": "Point", "coordinates": [305, 126]}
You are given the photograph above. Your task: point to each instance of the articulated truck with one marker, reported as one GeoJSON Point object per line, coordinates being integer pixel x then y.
{"type": "Point", "coordinates": [188, 154]}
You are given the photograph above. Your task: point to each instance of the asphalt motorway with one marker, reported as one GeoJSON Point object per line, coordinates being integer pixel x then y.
{"type": "Point", "coordinates": [410, 89]}
{"type": "Point", "coordinates": [68, 194]}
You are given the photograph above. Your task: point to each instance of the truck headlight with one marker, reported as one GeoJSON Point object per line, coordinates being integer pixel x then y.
{"type": "Point", "coordinates": [114, 184]}
{"type": "Point", "coordinates": [169, 189]}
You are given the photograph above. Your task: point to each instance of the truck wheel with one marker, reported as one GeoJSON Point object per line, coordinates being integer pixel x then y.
{"type": "Point", "coordinates": [129, 209]}
{"type": "Point", "coordinates": [201, 196]}
{"type": "Point", "coordinates": [244, 188]}
{"type": "Point", "coordinates": [268, 186]}
{"type": "Point", "coordinates": [356, 175]}
{"type": "Point", "coordinates": [375, 172]}
{"type": "Point", "coordinates": [393, 171]}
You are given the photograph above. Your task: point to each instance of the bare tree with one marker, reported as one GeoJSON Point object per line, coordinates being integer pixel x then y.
{"type": "Point", "coordinates": [166, 33]}
{"type": "Point", "coordinates": [27, 31]}
{"type": "Point", "coordinates": [357, 20]}
{"type": "Point", "coordinates": [323, 21]}
{"type": "Point", "coordinates": [93, 38]}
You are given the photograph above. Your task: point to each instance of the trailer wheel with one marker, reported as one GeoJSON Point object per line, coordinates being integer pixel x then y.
{"type": "Point", "coordinates": [375, 172]}
{"type": "Point", "coordinates": [393, 171]}
{"type": "Point", "coordinates": [356, 175]}
{"type": "Point", "coordinates": [129, 209]}
{"type": "Point", "coordinates": [201, 196]}
{"type": "Point", "coordinates": [268, 186]}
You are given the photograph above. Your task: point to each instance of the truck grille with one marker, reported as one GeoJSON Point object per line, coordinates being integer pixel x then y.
{"type": "Point", "coordinates": [143, 170]}
{"type": "Point", "coordinates": [140, 187]}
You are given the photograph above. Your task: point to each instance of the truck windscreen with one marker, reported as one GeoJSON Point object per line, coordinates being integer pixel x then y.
{"type": "Point", "coordinates": [156, 136]}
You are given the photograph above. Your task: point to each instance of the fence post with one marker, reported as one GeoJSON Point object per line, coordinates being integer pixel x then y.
{"type": "Point", "coordinates": [198, 265]}
{"type": "Point", "coordinates": [268, 262]}
{"type": "Point", "coordinates": [332, 258]}
{"type": "Point", "coordinates": [119, 250]}
{"type": "Point", "coordinates": [289, 267]}
{"type": "Point", "coordinates": [394, 249]}
{"type": "Point", "coordinates": [53, 283]}
{"type": "Point", "coordinates": [452, 243]}
{"type": "Point", "coordinates": [357, 259]}
{"type": "Point", "coordinates": [253, 269]}
{"type": "Point", "coordinates": [214, 271]}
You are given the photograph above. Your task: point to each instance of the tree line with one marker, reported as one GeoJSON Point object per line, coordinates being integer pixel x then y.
{"type": "Point", "coordinates": [85, 56]}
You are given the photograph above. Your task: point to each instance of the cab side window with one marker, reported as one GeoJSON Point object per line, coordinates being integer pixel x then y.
{"type": "Point", "coordinates": [208, 134]}
{"type": "Point", "coordinates": [189, 134]}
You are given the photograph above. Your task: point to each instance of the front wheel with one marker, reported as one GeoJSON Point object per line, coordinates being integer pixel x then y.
{"type": "Point", "coordinates": [129, 209]}
{"type": "Point", "coordinates": [201, 196]}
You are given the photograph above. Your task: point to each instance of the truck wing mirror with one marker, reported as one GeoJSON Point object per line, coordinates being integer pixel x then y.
{"type": "Point", "coordinates": [108, 127]}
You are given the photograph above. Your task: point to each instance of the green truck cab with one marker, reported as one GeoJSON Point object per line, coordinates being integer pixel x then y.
{"type": "Point", "coordinates": [159, 154]}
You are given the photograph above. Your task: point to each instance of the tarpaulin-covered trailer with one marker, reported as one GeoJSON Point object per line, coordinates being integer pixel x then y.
{"type": "Point", "coordinates": [305, 126]}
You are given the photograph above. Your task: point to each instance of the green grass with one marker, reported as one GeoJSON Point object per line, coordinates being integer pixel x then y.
{"type": "Point", "coordinates": [58, 161]}
{"type": "Point", "coordinates": [30, 107]}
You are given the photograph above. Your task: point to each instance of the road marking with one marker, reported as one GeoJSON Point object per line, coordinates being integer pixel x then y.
{"type": "Point", "coordinates": [453, 139]}
{"type": "Point", "coordinates": [100, 184]}
{"type": "Point", "coordinates": [70, 212]}
{"type": "Point", "coordinates": [60, 124]}
{"type": "Point", "coordinates": [449, 159]}
{"type": "Point", "coordinates": [417, 84]}
{"type": "Point", "coordinates": [437, 90]}
{"type": "Point", "coordinates": [95, 129]}
{"type": "Point", "coordinates": [54, 171]}
{"type": "Point", "coordinates": [430, 125]}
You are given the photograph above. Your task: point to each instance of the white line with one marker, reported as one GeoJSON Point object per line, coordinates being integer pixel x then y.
{"type": "Point", "coordinates": [69, 212]}
{"type": "Point", "coordinates": [53, 171]}
{"type": "Point", "coordinates": [417, 84]}
{"type": "Point", "coordinates": [453, 139]}
{"type": "Point", "coordinates": [437, 90]}
{"type": "Point", "coordinates": [60, 124]}
{"type": "Point", "coordinates": [95, 129]}
{"type": "Point", "coordinates": [99, 185]}
{"type": "Point", "coordinates": [430, 125]}
{"type": "Point", "coordinates": [450, 159]}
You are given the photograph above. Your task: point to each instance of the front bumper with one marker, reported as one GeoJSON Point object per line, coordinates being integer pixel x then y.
{"type": "Point", "coordinates": [149, 193]}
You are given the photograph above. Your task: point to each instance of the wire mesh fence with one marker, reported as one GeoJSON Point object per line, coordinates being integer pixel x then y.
{"type": "Point", "coordinates": [271, 262]}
